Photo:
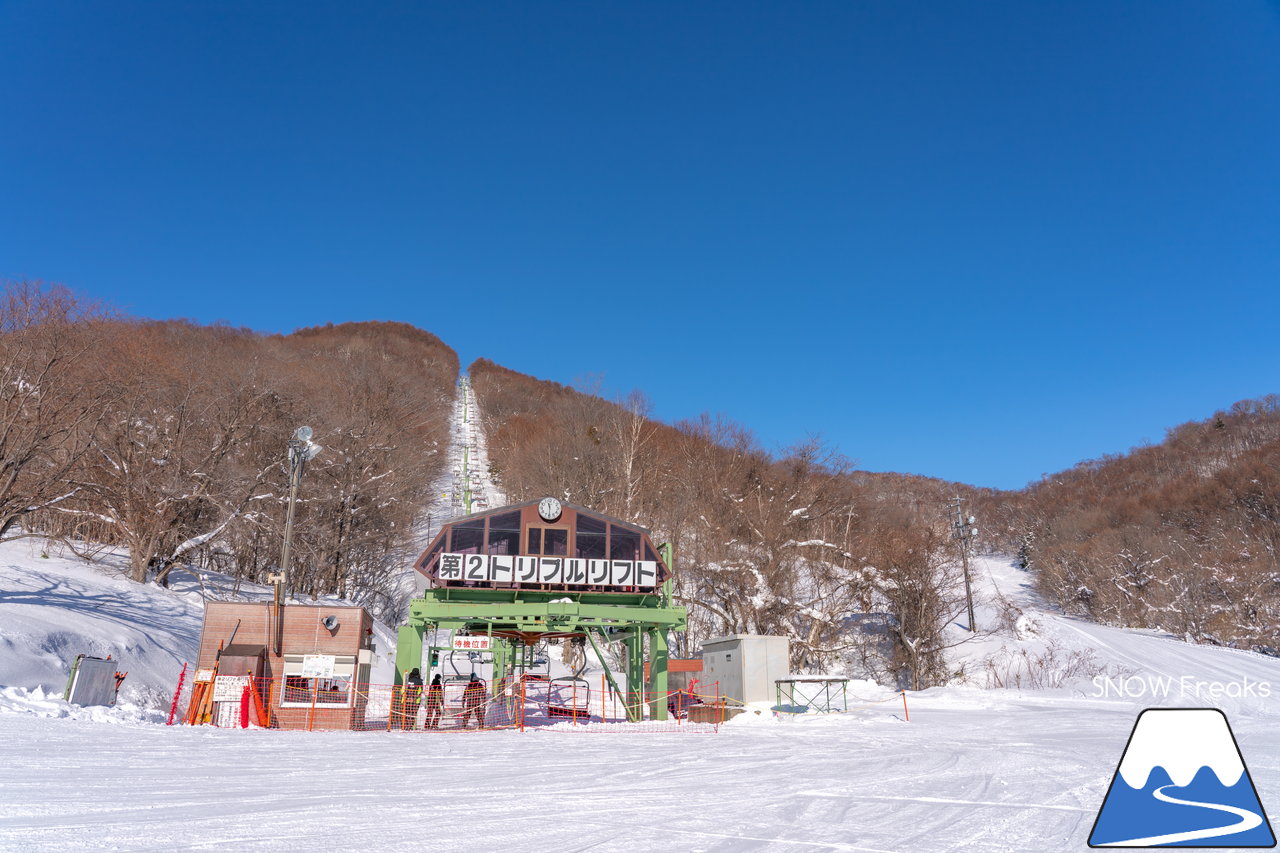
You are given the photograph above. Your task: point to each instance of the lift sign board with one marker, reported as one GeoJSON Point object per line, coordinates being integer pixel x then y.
{"type": "Point", "coordinates": [229, 688]}
{"type": "Point", "coordinates": [479, 644]}
{"type": "Point", "coordinates": [558, 571]}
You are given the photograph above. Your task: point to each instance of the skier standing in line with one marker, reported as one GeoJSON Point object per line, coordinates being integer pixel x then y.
{"type": "Point", "coordinates": [473, 702]}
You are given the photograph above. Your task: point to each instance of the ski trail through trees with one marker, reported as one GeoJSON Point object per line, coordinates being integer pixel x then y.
{"type": "Point", "coordinates": [466, 468]}
{"type": "Point", "coordinates": [475, 473]}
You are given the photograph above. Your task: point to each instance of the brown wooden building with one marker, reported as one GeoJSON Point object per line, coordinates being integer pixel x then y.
{"type": "Point", "coordinates": [319, 678]}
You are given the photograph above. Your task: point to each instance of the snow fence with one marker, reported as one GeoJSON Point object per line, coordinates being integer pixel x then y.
{"type": "Point", "coordinates": [524, 704]}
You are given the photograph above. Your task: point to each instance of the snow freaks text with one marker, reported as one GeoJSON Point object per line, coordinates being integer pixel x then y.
{"type": "Point", "coordinates": [1186, 687]}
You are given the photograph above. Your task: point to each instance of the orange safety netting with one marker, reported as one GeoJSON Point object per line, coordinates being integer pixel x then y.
{"type": "Point", "coordinates": [457, 705]}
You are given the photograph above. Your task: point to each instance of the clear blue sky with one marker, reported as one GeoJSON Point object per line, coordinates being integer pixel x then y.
{"type": "Point", "coordinates": [974, 241]}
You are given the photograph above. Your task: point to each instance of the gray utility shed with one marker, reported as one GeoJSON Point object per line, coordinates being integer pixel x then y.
{"type": "Point", "coordinates": [746, 665]}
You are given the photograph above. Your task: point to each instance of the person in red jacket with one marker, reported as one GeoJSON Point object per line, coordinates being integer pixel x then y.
{"type": "Point", "coordinates": [473, 702]}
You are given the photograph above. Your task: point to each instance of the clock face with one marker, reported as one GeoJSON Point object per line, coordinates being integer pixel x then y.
{"type": "Point", "coordinates": [549, 509]}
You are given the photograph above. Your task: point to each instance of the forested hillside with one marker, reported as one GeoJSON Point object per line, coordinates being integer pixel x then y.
{"type": "Point", "coordinates": [169, 438]}
{"type": "Point", "coordinates": [1183, 536]}
{"type": "Point", "coordinates": [856, 569]}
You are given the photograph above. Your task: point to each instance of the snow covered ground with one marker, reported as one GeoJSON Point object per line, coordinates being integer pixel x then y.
{"type": "Point", "coordinates": [974, 769]}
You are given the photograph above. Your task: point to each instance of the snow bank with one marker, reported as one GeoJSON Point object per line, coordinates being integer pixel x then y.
{"type": "Point", "coordinates": [54, 606]}
{"type": "Point", "coordinates": [38, 703]}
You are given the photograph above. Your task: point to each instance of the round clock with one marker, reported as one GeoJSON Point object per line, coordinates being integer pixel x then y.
{"type": "Point", "coordinates": [549, 509]}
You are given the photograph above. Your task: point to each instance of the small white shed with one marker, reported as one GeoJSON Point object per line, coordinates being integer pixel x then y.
{"type": "Point", "coordinates": [746, 665]}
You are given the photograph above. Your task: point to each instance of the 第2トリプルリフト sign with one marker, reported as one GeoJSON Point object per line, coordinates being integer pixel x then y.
{"type": "Point", "coordinates": [474, 644]}
{"type": "Point", "coordinates": [557, 571]}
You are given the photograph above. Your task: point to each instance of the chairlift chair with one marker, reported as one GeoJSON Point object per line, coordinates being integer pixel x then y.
{"type": "Point", "coordinates": [569, 696]}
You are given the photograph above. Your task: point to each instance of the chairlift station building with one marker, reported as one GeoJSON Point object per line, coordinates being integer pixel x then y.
{"type": "Point", "coordinates": [540, 570]}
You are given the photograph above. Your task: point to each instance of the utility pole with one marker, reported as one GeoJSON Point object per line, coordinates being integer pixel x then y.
{"type": "Point", "coordinates": [963, 531]}
{"type": "Point", "coordinates": [301, 451]}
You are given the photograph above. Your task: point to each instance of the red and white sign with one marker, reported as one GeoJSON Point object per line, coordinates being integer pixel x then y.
{"type": "Point", "coordinates": [472, 644]}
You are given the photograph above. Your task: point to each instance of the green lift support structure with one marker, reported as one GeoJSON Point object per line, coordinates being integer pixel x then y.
{"type": "Point", "coordinates": [516, 618]}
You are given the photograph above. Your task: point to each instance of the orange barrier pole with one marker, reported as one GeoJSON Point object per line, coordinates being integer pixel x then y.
{"type": "Point", "coordinates": [904, 706]}
{"type": "Point", "coordinates": [315, 691]}
{"type": "Point", "coordinates": [521, 704]}
{"type": "Point", "coordinates": [719, 708]}
{"type": "Point", "coordinates": [197, 694]}
{"type": "Point", "coordinates": [258, 710]}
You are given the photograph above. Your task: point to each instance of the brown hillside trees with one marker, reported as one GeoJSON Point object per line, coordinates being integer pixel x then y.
{"type": "Point", "coordinates": [795, 543]}
{"type": "Point", "coordinates": [169, 438]}
{"type": "Point", "coordinates": [1183, 536]}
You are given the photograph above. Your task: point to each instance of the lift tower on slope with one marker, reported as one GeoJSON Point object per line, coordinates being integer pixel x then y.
{"type": "Point", "coordinates": [963, 531]}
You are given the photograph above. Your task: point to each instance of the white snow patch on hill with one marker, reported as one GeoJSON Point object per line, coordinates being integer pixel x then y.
{"type": "Point", "coordinates": [1025, 643]}
{"type": "Point", "coordinates": [54, 606]}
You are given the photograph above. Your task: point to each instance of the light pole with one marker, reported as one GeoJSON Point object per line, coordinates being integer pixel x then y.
{"type": "Point", "coordinates": [301, 451]}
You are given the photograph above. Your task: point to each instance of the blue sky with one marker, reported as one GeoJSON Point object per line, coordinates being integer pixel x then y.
{"type": "Point", "coordinates": [974, 241]}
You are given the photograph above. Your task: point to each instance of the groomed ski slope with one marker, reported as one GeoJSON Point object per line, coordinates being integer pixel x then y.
{"type": "Point", "coordinates": [973, 770]}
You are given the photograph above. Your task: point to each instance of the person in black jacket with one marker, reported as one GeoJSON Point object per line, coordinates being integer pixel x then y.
{"type": "Point", "coordinates": [435, 702]}
{"type": "Point", "coordinates": [410, 697]}
{"type": "Point", "coordinates": [473, 702]}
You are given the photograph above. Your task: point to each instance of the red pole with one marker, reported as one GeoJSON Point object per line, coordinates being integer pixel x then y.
{"type": "Point", "coordinates": [522, 702]}
{"type": "Point", "coordinates": [173, 709]}
{"type": "Point", "coordinates": [244, 708]}
{"type": "Point", "coordinates": [904, 706]}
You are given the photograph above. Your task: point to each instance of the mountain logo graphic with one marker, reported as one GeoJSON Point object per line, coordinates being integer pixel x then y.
{"type": "Point", "coordinates": [1182, 782]}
